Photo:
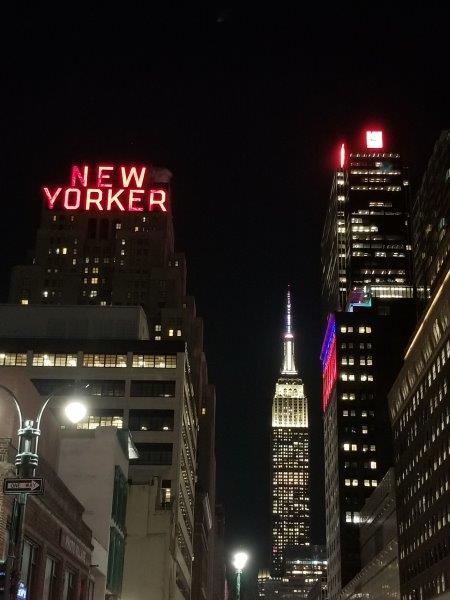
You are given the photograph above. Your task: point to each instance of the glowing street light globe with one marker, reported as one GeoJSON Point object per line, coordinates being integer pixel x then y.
{"type": "Point", "coordinates": [240, 560]}
{"type": "Point", "coordinates": [75, 411]}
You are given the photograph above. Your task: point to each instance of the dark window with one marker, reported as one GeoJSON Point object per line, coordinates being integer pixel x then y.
{"type": "Point", "coordinates": [155, 389]}
{"type": "Point", "coordinates": [104, 229]}
{"type": "Point", "coordinates": [105, 387]}
{"type": "Point", "coordinates": [151, 420]}
{"type": "Point", "coordinates": [29, 560]}
{"type": "Point", "coordinates": [92, 229]}
{"type": "Point", "coordinates": [49, 386]}
{"type": "Point", "coordinates": [154, 454]}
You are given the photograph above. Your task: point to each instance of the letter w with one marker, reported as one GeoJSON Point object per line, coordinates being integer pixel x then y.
{"type": "Point", "coordinates": [132, 174]}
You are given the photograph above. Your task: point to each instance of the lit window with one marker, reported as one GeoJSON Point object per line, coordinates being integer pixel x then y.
{"type": "Point", "coordinates": [354, 447]}
{"type": "Point", "coordinates": [93, 294]}
{"type": "Point", "coordinates": [354, 482]}
{"type": "Point", "coordinates": [366, 482]}
{"type": "Point", "coordinates": [157, 327]}
{"type": "Point", "coordinates": [43, 360]}
{"type": "Point", "coordinates": [346, 447]}
{"type": "Point", "coordinates": [170, 332]}
{"type": "Point", "coordinates": [11, 359]}
{"type": "Point", "coordinates": [24, 301]}
{"type": "Point", "coordinates": [343, 329]}
{"type": "Point", "coordinates": [94, 280]}
{"type": "Point", "coordinates": [364, 429]}
{"type": "Point", "coordinates": [347, 482]}
{"type": "Point", "coordinates": [178, 332]}
{"type": "Point", "coordinates": [45, 293]}
{"type": "Point", "coordinates": [373, 464]}
{"type": "Point", "coordinates": [374, 483]}
{"type": "Point", "coordinates": [64, 250]}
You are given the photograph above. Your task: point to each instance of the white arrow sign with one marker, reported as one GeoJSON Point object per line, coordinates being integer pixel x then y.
{"type": "Point", "coordinates": [23, 486]}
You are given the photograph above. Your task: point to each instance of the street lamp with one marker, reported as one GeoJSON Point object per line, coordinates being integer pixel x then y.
{"type": "Point", "coordinates": [26, 462]}
{"type": "Point", "coordinates": [239, 562]}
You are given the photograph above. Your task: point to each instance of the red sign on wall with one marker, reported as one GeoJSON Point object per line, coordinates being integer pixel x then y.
{"type": "Point", "coordinates": [108, 188]}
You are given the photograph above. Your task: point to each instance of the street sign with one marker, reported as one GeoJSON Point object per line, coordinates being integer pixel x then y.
{"type": "Point", "coordinates": [23, 486]}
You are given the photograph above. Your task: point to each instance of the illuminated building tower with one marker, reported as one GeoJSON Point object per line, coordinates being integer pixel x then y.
{"type": "Point", "coordinates": [431, 220]}
{"type": "Point", "coordinates": [290, 459]}
{"type": "Point", "coordinates": [361, 354]}
{"type": "Point", "coordinates": [366, 237]}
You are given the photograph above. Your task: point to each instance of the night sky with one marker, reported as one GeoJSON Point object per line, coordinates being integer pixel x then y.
{"type": "Point", "coordinates": [246, 106]}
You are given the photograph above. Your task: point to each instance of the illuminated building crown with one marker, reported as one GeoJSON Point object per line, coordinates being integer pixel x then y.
{"type": "Point", "coordinates": [288, 342]}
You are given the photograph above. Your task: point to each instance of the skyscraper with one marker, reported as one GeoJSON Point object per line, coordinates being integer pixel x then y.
{"type": "Point", "coordinates": [290, 459]}
{"type": "Point", "coordinates": [367, 292]}
{"type": "Point", "coordinates": [366, 235]}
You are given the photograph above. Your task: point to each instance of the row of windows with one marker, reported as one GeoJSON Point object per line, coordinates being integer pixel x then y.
{"type": "Point", "coordinates": [157, 361]}
{"type": "Point", "coordinates": [361, 329]}
{"type": "Point", "coordinates": [362, 345]}
{"type": "Point", "coordinates": [138, 420]}
{"type": "Point", "coordinates": [356, 482]}
{"type": "Point", "coordinates": [352, 413]}
{"type": "Point", "coordinates": [350, 360]}
{"type": "Point", "coordinates": [154, 454]}
{"type": "Point", "coordinates": [352, 377]}
{"type": "Point", "coordinates": [110, 388]}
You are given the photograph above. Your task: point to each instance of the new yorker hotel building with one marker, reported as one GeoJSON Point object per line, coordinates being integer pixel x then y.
{"type": "Point", "coordinates": [366, 236]}
{"type": "Point", "coordinates": [106, 240]}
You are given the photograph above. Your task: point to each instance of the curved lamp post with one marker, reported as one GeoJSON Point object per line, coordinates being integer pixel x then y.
{"type": "Point", "coordinates": [239, 562]}
{"type": "Point", "coordinates": [26, 462]}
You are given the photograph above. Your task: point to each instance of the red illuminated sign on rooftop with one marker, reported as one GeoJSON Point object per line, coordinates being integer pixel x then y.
{"type": "Point", "coordinates": [374, 139]}
{"type": "Point", "coordinates": [108, 188]}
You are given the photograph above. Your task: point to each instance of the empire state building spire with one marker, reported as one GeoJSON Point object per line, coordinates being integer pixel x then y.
{"type": "Point", "coordinates": [288, 342]}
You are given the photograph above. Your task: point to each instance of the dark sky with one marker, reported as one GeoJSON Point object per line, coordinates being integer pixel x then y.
{"type": "Point", "coordinates": [246, 107]}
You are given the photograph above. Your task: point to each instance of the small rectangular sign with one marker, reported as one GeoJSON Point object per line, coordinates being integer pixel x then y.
{"type": "Point", "coordinates": [23, 486]}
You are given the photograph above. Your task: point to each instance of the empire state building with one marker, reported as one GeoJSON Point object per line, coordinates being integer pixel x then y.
{"type": "Point", "coordinates": [290, 459]}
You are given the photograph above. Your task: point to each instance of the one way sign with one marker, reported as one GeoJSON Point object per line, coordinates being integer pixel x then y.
{"type": "Point", "coordinates": [23, 486]}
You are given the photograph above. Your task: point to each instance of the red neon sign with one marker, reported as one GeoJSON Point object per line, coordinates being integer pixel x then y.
{"type": "Point", "coordinates": [374, 139]}
{"type": "Point", "coordinates": [108, 188]}
{"type": "Point", "coordinates": [329, 375]}
{"type": "Point", "coordinates": [342, 156]}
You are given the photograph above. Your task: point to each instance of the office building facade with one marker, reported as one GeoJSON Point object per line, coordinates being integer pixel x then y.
{"type": "Point", "coordinates": [431, 218]}
{"type": "Point", "coordinates": [144, 387]}
{"type": "Point", "coordinates": [379, 575]}
{"type": "Point", "coordinates": [420, 413]}
{"type": "Point", "coordinates": [366, 235]}
{"type": "Point", "coordinates": [290, 459]}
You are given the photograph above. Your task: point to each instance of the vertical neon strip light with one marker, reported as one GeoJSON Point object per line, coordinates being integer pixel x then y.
{"type": "Point", "coordinates": [328, 356]}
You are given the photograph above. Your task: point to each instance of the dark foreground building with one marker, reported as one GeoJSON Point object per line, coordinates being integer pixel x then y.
{"type": "Point", "coordinates": [359, 364]}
